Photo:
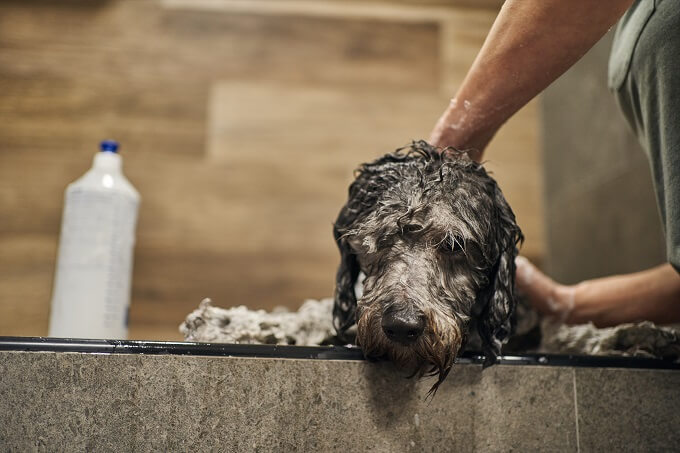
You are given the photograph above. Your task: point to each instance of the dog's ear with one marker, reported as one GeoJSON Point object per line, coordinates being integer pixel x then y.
{"type": "Point", "coordinates": [359, 202]}
{"type": "Point", "coordinates": [497, 301]}
{"type": "Point", "coordinates": [345, 303]}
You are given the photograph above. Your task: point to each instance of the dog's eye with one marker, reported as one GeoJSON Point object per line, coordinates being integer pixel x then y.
{"type": "Point", "coordinates": [451, 245]}
{"type": "Point", "coordinates": [412, 228]}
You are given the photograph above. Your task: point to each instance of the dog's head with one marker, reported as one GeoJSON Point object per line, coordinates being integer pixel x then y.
{"type": "Point", "coordinates": [436, 240]}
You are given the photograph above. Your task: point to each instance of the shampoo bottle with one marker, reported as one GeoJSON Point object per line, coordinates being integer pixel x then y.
{"type": "Point", "coordinates": [91, 294]}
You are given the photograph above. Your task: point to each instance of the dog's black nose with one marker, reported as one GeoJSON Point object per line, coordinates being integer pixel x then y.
{"type": "Point", "coordinates": [403, 327]}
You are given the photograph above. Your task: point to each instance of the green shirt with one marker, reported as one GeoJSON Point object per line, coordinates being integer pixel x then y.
{"type": "Point", "coordinates": [644, 74]}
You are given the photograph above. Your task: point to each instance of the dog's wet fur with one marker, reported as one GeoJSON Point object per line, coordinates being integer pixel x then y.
{"type": "Point", "coordinates": [437, 241]}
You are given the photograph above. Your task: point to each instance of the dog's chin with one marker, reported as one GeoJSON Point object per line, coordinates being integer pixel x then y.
{"type": "Point", "coordinates": [432, 354]}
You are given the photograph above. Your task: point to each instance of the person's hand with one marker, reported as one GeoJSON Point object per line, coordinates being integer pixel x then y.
{"type": "Point", "coordinates": [545, 295]}
{"type": "Point", "coordinates": [442, 134]}
{"type": "Point", "coordinates": [460, 128]}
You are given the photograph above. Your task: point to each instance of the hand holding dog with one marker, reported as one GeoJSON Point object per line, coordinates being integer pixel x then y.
{"type": "Point", "coordinates": [531, 43]}
{"type": "Point", "coordinates": [652, 295]}
{"type": "Point", "coordinates": [548, 297]}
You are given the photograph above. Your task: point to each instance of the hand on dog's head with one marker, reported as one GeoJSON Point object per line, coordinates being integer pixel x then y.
{"type": "Point", "coordinates": [436, 240]}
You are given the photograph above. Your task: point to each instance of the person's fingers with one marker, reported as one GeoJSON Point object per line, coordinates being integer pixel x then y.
{"type": "Point", "coordinates": [525, 271]}
{"type": "Point", "coordinates": [546, 296]}
{"type": "Point", "coordinates": [436, 135]}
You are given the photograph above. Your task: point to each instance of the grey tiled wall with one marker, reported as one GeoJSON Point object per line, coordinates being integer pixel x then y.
{"type": "Point", "coordinates": [87, 402]}
{"type": "Point", "coordinates": [601, 214]}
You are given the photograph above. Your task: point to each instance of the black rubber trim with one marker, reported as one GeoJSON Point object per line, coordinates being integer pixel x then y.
{"type": "Point", "coordinates": [43, 344]}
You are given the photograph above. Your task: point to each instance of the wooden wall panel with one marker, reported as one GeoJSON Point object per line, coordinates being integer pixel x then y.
{"type": "Point", "coordinates": [239, 127]}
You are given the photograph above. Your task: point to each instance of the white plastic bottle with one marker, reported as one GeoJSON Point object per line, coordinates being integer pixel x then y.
{"type": "Point", "coordinates": [91, 294]}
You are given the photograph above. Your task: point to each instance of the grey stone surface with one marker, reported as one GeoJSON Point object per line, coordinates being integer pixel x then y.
{"type": "Point", "coordinates": [102, 402]}
{"type": "Point", "coordinates": [524, 408]}
{"type": "Point", "coordinates": [628, 410]}
{"type": "Point", "coordinates": [600, 207]}
{"type": "Point", "coordinates": [86, 402]}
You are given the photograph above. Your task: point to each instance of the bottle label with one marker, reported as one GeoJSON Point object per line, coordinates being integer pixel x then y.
{"type": "Point", "coordinates": [94, 266]}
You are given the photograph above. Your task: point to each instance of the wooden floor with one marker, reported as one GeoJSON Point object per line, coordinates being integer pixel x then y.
{"type": "Point", "coordinates": [240, 124]}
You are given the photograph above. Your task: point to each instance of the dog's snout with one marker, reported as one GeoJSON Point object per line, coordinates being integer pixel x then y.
{"type": "Point", "coordinates": [402, 326]}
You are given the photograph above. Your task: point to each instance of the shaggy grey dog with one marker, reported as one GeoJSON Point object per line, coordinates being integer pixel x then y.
{"type": "Point", "coordinates": [436, 240]}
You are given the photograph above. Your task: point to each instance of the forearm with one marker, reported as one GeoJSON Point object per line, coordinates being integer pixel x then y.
{"type": "Point", "coordinates": [652, 295]}
{"type": "Point", "coordinates": [531, 43]}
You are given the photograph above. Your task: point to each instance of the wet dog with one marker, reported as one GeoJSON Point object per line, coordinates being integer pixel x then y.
{"type": "Point", "coordinates": [436, 241]}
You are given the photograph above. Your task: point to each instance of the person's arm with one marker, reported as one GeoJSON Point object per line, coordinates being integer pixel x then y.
{"type": "Point", "coordinates": [652, 295]}
{"type": "Point", "coordinates": [531, 43]}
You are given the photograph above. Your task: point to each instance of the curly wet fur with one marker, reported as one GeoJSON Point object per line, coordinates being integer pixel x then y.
{"type": "Point", "coordinates": [430, 229]}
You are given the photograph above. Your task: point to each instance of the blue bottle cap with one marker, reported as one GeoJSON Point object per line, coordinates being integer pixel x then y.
{"type": "Point", "coordinates": [109, 145]}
